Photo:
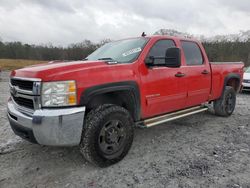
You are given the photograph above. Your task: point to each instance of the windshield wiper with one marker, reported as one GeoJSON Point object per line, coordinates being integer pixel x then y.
{"type": "Point", "coordinates": [109, 60]}
{"type": "Point", "coordinates": [106, 58]}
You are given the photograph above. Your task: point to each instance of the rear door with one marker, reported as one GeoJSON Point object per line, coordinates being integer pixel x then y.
{"type": "Point", "coordinates": [197, 73]}
{"type": "Point", "coordinates": [164, 91]}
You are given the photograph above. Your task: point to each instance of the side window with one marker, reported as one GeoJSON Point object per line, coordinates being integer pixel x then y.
{"type": "Point", "coordinates": [192, 53]}
{"type": "Point", "coordinates": [159, 50]}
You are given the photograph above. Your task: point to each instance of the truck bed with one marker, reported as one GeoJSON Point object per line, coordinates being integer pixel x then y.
{"type": "Point", "coordinates": [220, 70]}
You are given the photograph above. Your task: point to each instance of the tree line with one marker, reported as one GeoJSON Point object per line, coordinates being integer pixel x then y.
{"type": "Point", "coordinates": [228, 51]}
{"type": "Point", "coordinates": [217, 51]}
{"type": "Point", "coordinates": [18, 50]}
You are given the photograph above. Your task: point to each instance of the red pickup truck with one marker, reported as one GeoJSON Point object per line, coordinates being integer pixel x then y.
{"type": "Point", "coordinates": [138, 82]}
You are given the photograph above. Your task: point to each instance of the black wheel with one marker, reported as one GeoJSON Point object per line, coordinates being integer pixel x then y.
{"type": "Point", "coordinates": [226, 104]}
{"type": "Point", "coordinates": [107, 135]}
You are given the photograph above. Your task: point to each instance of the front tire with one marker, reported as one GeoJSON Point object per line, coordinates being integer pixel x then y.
{"type": "Point", "coordinates": [107, 135]}
{"type": "Point", "coordinates": [225, 105]}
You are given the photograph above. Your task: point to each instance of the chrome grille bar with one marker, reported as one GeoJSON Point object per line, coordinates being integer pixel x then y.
{"type": "Point", "coordinates": [21, 94]}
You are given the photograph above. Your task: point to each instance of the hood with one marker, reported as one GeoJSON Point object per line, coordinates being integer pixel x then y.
{"type": "Point", "coordinates": [49, 70]}
{"type": "Point", "coordinates": [246, 76]}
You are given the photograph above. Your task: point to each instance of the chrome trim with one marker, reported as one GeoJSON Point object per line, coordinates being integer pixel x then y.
{"type": "Point", "coordinates": [22, 118]}
{"type": "Point", "coordinates": [174, 115]}
{"type": "Point", "coordinates": [28, 92]}
{"type": "Point", "coordinates": [34, 94]}
{"type": "Point", "coordinates": [22, 109]}
{"type": "Point", "coordinates": [52, 127]}
{"type": "Point", "coordinates": [58, 127]}
{"type": "Point", "coordinates": [223, 63]}
{"type": "Point", "coordinates": [26, 79]}
{"type": "Point", "coordinates": [37, 101]}
{"type": "Point", "coordinates": [24, 96]}
{"type": "Point", "coordinates": [37, 88]}
{"type": "Point", "coordinates": [35, 91]}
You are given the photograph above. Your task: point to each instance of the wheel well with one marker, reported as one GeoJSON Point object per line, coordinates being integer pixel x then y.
{"type": "Point", "coordinates": [234, 82]}
{"type": "Point", "coordinates": [125, 99]}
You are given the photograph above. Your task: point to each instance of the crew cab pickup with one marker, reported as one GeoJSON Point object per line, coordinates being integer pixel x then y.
{"type": "Point", "coordinates": [95, 103]}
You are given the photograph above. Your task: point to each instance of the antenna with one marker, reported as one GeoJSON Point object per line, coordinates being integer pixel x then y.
{"type": "Point", "coordinates": [143, 34]}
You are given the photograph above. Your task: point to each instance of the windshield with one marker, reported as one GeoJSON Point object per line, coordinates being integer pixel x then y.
{"type": "Point", "coordinates": [248, 70]}
{"type": "Point", "coordinates": [123, 51]}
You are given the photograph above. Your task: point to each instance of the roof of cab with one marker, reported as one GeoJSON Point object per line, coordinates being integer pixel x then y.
{"type": "Point", "coordinates": [171, 37]}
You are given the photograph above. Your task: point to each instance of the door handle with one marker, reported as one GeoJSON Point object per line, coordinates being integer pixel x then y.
{"type": "Point", "coordinates": [204, 72]}
{"type": "Point", "coordinates": [179, 74]}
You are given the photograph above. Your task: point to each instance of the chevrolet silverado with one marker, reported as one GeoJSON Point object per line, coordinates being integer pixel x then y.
{"type": "Point", "coordinates": [97, 102]}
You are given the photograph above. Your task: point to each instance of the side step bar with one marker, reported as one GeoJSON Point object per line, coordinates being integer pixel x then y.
{"type": "Point", "coordinates": [173, 116]}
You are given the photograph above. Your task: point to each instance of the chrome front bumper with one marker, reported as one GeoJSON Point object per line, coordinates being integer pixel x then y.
{"type": "Point", "coordinates": [52, 127]}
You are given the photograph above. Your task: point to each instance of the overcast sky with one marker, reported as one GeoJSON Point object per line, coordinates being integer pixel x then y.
{"type": "Point", "coordinates": [62, 22]}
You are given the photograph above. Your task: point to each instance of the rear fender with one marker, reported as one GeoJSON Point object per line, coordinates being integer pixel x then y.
{"type": "Point", "coordinates": [228, 78]}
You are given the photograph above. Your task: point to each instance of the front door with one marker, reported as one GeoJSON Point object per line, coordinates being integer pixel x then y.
{"type": "Point", "coordinates": [164, 88]}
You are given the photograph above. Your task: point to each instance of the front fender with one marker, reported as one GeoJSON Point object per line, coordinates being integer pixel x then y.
{"type": "Point", "coordinates": [130, 86]}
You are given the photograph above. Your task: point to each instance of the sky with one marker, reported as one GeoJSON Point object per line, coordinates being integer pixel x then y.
{"type": "Point", "coordinates": [62, 22]}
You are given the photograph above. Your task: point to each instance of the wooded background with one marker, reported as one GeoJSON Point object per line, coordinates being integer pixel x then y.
{"type": "Point", "coordinates": [217, 51]}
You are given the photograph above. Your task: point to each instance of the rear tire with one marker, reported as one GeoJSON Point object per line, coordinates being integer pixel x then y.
{"type": "Point", "coordinates": [225, 105]}
{"type": "Point", "coordinates": [107, 135]}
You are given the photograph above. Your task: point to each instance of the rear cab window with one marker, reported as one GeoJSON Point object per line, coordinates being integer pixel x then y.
{"type": "Point", "coordinates": [192, 53]}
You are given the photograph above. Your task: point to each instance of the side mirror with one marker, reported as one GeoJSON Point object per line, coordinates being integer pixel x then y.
{"type": "Point", "coordinates": [173, 57]}
{"type": "Point", "coordinates": [149, 61]}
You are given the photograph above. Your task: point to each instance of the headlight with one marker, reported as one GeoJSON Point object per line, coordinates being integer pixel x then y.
{"type": "Point", "coordinates": [61, 93]}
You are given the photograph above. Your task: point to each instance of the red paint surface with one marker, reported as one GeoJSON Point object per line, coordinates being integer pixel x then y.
{"type": "Point", "coordinates": [160, 90]}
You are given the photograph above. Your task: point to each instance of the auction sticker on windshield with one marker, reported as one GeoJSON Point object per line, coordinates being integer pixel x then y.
{"type": "Point", "coordinates": [132, 51]}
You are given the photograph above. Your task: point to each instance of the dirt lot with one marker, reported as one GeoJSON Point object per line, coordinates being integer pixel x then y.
{"type": "Point", "coordinates": [198, 151]}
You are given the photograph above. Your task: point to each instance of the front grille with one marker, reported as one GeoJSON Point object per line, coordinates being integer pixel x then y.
{"type": "Point", "coordinates": [25, 92]}
{"type": "Point", "coordinates": [28, 103]}
{"type": "Point", "coordinates": [22, 84]}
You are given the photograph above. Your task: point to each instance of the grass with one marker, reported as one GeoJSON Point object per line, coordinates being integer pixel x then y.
{"type": "Point", "coordinates": [12, 64]}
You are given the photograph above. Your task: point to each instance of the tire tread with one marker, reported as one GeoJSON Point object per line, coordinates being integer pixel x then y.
{"type": "Point", "coordinates": [92, 124]}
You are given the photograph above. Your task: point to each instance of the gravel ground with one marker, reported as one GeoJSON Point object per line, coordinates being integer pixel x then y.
{"type": "Point", "coordinates": [198, 151]}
